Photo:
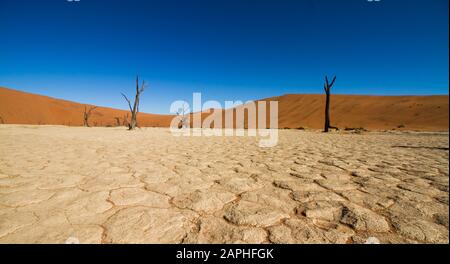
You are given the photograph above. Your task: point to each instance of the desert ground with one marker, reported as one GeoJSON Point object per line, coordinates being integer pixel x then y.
{"type": "Point", "coordinates": [108, 185]}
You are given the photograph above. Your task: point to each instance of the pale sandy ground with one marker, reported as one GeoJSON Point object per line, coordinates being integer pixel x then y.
{"type": "Point", "coordinates": [109, 185]}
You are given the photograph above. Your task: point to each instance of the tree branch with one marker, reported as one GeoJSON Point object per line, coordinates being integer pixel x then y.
{"type": "Point", "coordinates": [91, 109]}
{"type": "Point", "coordinates": [137, 84]}
{"type": "Point", "coordinates": [128, 100]}
{"type": "Point", "coordinates": [142, 87]}
{"type": "Point", "coordinates": [332, 82]}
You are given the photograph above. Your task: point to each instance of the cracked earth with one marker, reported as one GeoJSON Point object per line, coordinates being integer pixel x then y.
{"type": "Point", "coordinates": [109, 185]}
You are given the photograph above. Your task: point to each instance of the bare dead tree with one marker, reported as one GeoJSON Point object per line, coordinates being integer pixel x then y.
{"type": "Point", "coordinates": [182, 115]}
{"type": "Point", "coordinates": [87, 115]}
{"type": "Point", "coordinates": [327, 88]}
{"type": "Point", "coordinates": [117, 120]}
{"type": "Point", "coordinates": [135, 109]}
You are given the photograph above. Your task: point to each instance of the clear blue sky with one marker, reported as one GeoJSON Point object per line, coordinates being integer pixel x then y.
{"type": "Point", "coordinates": [90, 51]}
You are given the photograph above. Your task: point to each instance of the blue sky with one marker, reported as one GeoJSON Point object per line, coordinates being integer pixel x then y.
{"type": "Point", "coordinates": [90, 51]}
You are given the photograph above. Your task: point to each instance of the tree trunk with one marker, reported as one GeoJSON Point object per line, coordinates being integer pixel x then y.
{"type": "Point", "coordinates": [133, 123]}
{"type": "Point", "coordinates": [327, 112]}
{"type": "Point", "coordinates": [327, 88]}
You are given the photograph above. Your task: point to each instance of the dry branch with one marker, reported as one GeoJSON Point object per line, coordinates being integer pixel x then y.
{"type": "Point", "coordinates": [135, 109]}
{"type": "Point", "coordinates": [182, 114]}
{"type": "Point", "coordinates": [87, 115]}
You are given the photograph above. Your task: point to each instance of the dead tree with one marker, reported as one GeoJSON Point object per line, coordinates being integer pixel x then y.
{"type": "Point", "coordinates": [87, 115]}
{"type": "Point", "coordinates": [182, 114]}
{"type": "Point", "coordinates": [327, 88]}
{"type": "Point", "coordinates": [117, 120]}
{"type": "Point", "coordinates": [135, 109]}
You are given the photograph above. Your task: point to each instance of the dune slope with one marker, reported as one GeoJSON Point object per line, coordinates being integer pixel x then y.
{"type": "Point", "coordinates": [370, 112]}
{"type": "Point", "coordinates": [423, 113]}
{"type": "Point", "coordinates": [18, 107]}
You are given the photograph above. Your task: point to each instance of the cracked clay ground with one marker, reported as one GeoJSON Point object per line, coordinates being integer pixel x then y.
{"type": "Point", "coordinates": [109, 185]}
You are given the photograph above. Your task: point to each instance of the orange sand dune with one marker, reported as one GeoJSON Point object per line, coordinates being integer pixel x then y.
{"type": "Point", "coordinates": [18, 107]}
{"type": "Point", "coordinates": [426, 113]}
{"type": "Point", "coordinates": [423, 113]}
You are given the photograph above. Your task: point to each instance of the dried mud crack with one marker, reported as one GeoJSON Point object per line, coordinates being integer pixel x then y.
{"type": "Point", "coordinates": [58, 183]}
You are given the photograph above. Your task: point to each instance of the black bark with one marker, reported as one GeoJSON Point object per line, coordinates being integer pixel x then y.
{"type": "Point", "coordinates": [327, 88]}
{"type": "Point", "coordinates": [135, 109]}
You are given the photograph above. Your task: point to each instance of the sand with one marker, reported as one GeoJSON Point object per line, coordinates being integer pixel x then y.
{"type": "Point", "coordinates": [108, 185]}
{"type": "Point", "coordinates": [420, 113]}
{"type": "Point", "coordinates": [17, 107]}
